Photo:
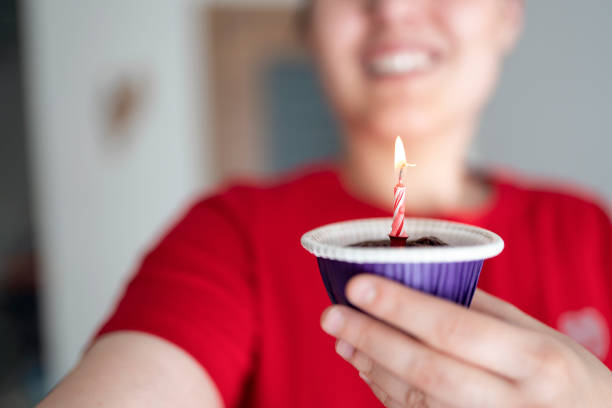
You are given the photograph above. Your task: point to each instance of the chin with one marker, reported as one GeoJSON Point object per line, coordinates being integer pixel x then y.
{"type": "Point", "coordinates": [404, 123]}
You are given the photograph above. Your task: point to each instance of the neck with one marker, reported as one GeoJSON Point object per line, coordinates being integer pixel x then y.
{"type": "Point", "coordinates": [439, 183]}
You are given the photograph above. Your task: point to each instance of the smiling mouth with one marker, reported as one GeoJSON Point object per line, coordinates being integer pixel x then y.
{"type": "Point", "coordinates": [399, 63]}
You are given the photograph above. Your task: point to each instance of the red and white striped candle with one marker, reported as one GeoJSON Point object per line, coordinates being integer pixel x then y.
{"type": "Point", "coordinates": [399, 193]}
{"type": "Point", "coordinates": [399, 209]}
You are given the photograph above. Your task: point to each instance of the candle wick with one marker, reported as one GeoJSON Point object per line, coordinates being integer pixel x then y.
{"type": "Point", "coordinates": [403, 166]}
{"type": "Point", "coordinates": [401, 174]}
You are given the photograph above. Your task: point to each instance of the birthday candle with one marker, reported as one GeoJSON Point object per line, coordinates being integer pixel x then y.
{"type": "Point", "coordinates": [399, 208]}
{"type": "Point", "coordinates": [399, 192]}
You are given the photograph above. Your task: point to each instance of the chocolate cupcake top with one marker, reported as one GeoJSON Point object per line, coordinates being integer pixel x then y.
{"type": "Point", "coordinates": [384, 243]}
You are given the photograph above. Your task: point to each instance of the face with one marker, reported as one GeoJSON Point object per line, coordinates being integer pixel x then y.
{"type": "Point", "coordinates": [411, 67]}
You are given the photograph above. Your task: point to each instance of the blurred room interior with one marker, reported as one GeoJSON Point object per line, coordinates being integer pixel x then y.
{"type": "Point", "coordinates": [116, 114]}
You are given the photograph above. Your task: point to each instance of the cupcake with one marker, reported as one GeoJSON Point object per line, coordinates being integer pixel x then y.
{"type": "Point", "coordinates": [442, 258]}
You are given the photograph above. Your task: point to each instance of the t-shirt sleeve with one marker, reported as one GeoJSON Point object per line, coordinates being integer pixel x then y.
{"type": "Point", "coordinates": [598, 246]}
{"type": "Point", "coordinates": [196, 290]}
{"type": "Point", "coordinates": [605, 223]}
{"type": "Point", "coordinates": [594, 230]}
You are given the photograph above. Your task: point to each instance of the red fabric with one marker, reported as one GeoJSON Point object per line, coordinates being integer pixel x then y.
{"type": "Point", "coordinates": [232, 286]}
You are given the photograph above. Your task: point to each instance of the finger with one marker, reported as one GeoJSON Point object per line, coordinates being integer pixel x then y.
{"type": "Point", "coordinates": [417, 401]}
{"type": "Point", "coordinates": [389, 387]}
{"type": "Point", "coordinates": [383, 397]}
{"type": "Point", "coordinates": [489, 304]}
{"type": "Point", "coordinates": [446, 326]}
{"type": "Point", "coordinates": [493, 306]}
{"type": "Point", "coordinates": [441, 376]}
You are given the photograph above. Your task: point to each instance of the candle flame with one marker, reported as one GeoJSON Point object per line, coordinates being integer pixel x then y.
{"type": "Point", "coordinates": [400, 155]}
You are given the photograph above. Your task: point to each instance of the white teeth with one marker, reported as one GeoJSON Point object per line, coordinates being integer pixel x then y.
{"type": "Point", "coordinates": [400, 63]}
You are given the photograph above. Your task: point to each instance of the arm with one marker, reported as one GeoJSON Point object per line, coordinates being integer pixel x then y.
{"type": "Point", "coordinates": [133, 369]}
{"type": "Point", "coordinates": [193, 295]}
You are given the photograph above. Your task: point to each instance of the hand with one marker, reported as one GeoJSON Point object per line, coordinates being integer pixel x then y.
{"type": "Point", "coordinates": [427, 352]}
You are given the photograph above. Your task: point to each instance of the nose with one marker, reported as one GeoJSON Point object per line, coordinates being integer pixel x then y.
{"type": "Point", "coordinates": [389, 11]}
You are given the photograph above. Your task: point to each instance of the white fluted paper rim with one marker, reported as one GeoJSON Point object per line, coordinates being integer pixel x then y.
{"type": "Point", "coordinates": [466, 242]}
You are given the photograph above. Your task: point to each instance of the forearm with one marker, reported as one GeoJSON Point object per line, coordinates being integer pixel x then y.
{"type": "Point", "coordinates": [135, 370]}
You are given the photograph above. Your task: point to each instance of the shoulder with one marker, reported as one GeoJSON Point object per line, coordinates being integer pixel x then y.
{"type": "Point", "coordinates": [293, 185]}
{"type": "Point", "coordinates": [561, 204]}
{"type": "Point", "coordinates": [238, 213]}
{"type": "Point", "coordinates": [245, 201]}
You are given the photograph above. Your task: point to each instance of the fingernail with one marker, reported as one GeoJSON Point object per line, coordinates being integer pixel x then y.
{"type": "Point", "coordinates": [365, 378]}
{"type": "Point", "coordinates": [362, 292]}
{"type": "Point", "coordinates": [344, 349]}
{"type": "Point", "coordinates": [333, 321]}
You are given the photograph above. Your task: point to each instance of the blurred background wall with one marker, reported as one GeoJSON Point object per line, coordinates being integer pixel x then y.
{"type": "Point", "coordinates": [129, 116]}
{"type": "Point", "coordinates": [550, 115]}
{"type": "Point", "coordinates": [116, 149]}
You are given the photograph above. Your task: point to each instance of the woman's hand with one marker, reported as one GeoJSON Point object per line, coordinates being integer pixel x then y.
{"type": "Point", "coordinates": [427, 352]}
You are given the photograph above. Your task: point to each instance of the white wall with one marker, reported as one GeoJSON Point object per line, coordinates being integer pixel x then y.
{"type": "Point", "coordinates": [100, 199]}
{"type": "Point", "coordinates": [551, 114]}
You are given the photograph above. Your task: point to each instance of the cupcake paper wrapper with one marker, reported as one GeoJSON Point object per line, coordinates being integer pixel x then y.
{"type": "Point", "coordinates": [449, 272]}
{"type": "Point", "coordinates": [452, 281]}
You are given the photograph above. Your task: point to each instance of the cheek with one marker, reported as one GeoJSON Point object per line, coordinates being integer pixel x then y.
{"type": "Point", "coordinates": [473, 26]}
{"type": "Point", "coordinates": [339, 32]}
{"type": "Point", "coordinates": [468, 20]}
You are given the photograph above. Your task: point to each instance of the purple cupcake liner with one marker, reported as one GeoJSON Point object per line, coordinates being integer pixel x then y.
{"type": "Point", "coordinates": [449, 272]}
{"type": "Point", "coordinates": [454, 281]}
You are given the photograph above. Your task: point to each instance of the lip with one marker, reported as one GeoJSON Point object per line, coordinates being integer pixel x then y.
{"type": "Point", "coordinates": [433, 53]}
{"type": "Point", "coordinates": [393, 47]}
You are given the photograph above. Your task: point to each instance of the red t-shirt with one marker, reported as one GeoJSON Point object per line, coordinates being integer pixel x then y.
{"type": "Point", "coordinates": [232, 286]}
